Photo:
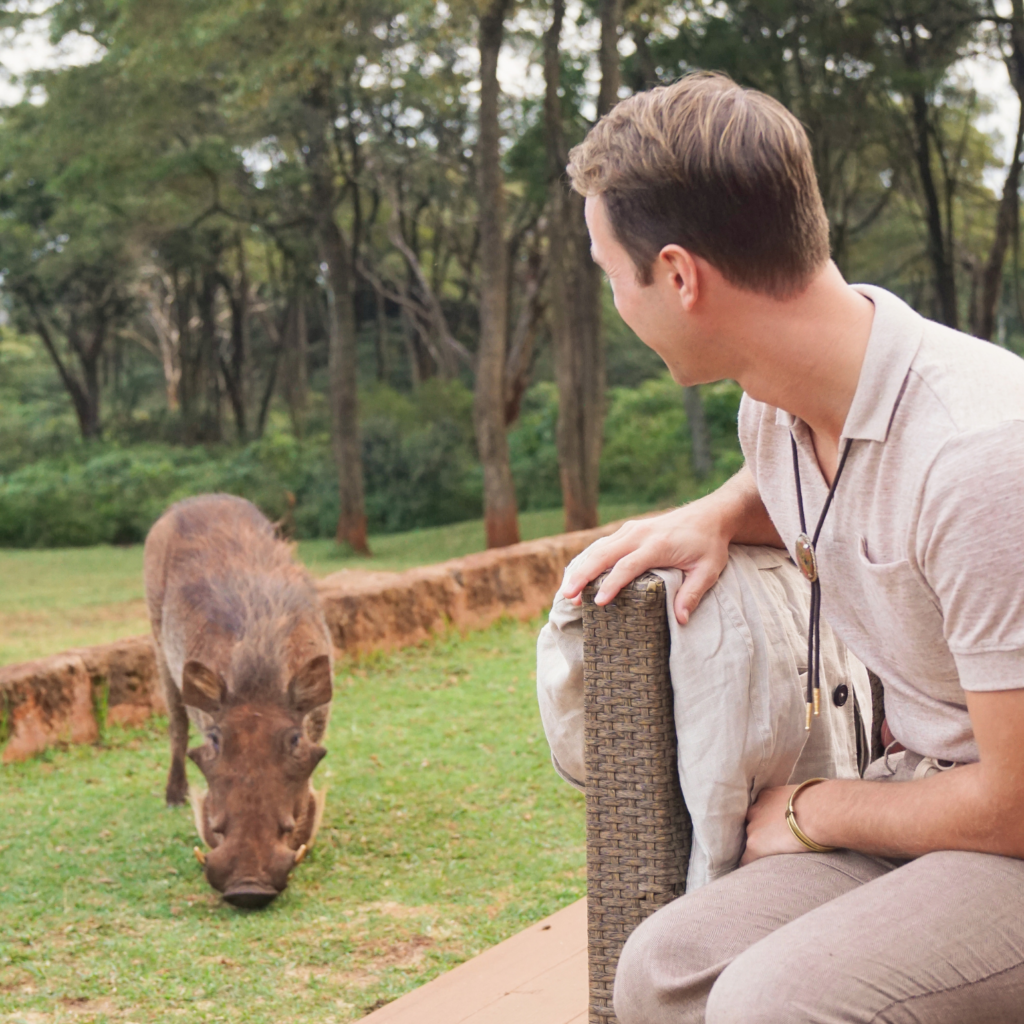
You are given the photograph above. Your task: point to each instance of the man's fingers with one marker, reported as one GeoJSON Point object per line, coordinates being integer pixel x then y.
{"type": "Point", "coordinates": [601, 555]}
{"type": "Point", "coordinates": [696, 583]}
{"type": "Point", "coordinates": [624, 571]}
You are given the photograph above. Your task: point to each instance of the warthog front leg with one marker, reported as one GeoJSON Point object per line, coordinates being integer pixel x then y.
{"type": "Point", "coordinates": [177, 720]}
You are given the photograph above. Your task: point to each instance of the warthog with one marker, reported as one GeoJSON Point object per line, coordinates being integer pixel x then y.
{"type": "Point", "coordinates": [244, 652]}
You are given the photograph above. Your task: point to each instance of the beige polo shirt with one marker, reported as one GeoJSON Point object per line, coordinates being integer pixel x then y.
{"type": "Point", "coordinates": [922, 553]}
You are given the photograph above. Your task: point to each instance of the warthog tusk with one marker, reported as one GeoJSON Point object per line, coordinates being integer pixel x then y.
{"type": "Point", "coordinates": [200, 855]}
{"type": "Point", "coordinates": [300, 855]}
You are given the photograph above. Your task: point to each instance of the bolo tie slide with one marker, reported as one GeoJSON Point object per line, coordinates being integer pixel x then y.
{"type": "Point", "coordinates": [807, 561]}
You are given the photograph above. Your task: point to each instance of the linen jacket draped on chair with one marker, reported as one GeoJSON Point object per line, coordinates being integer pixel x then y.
{"type": "Point", "coordinates": [738, 672]}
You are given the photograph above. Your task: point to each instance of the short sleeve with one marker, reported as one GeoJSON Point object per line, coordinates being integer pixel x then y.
{"type": "Point", "coordinates": [969, 547]}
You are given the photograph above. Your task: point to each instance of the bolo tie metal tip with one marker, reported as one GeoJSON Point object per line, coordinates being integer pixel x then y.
{"type": "Point", "coordinates": [817, 703]}
{"type": "Point", "coordinates": [810, 711]}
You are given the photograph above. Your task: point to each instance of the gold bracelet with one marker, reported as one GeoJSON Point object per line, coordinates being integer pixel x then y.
{"type": "Point", "coordinates": [796, 829]}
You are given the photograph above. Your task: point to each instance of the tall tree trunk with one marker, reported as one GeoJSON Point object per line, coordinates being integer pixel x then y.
{"type": "Point", "coordinates": [940, 241]}
{"type": "Point", "coordinates": [1009, 206]}
{"type": "Point", "coordinates": [611, 66]}
{"type": "Point", "coordinates": [236, 368]}
{"type": "Point", "coordinates": [339, 278]}
{"type": "Point", "coordinates": [160, 298]}
{"type": "Point", "coordinates": [421, 363]}
{"type": "Point", "coordinates": [200, 386]}
{"type": "Point", "coordinates": [576, 287]}
{"type": "Point", "coordinates": [346, 438]}
{"type": "Point", "coordinates": [700, 440]}
{"type": "Point", "coordinates": [90, 360]}
{"type": "Point", "coordinates": [85, 392]}
{"type": "Point", "coordinates": [524, 335]}
{"type": "Point", "coordinates": [500, 514]}
{"type": "Point", "coordinates": [296, 379]}
{"type": "Point", "coordinates": [189, 355]}
{"type": "Point", "coordinates": [383, 348]}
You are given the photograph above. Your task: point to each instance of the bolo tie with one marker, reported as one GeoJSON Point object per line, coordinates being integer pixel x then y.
{"type": "Point", "coordinates": [807, 562]}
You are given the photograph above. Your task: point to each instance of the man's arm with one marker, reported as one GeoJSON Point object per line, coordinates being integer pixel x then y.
{"type": "Point", "coordinates": [978, 807]}
{"type": "Point", "coordinates": [694, 538]}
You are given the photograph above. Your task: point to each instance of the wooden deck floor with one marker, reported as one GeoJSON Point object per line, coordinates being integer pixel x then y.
{"type": "Point", "coordinates": [536, 977]}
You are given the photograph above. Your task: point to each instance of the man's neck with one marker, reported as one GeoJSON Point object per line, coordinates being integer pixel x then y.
{"type": "Point", "coordinates": [804, 355]}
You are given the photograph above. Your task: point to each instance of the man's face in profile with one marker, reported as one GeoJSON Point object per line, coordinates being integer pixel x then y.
{"type": "Point", "coordinates": [654, 312]}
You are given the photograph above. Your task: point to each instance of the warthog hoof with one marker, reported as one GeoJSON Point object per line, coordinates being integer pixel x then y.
{"type": "Point", "coordinates": [176, 795]}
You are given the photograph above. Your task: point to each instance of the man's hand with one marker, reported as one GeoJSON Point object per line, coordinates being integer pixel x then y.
{"type": "Point", "coordinates": [768, 832]}
{"type": "Point", "coordinates": [694, 538]}
{"type": "Point", "coordinates": [689, 538]}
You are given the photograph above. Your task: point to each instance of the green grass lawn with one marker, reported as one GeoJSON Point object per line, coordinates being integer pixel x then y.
{"type": "Point", "coordinates": [446, 831]}
{"type": "Point", "coordinates": [51, 600]}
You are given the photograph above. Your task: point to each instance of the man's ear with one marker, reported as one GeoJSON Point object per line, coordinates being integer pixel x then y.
{"type": "Point", "coordinates": [682, 268]}
{"type": "Point", "coordinates": [202, 688]}
{"type": "Point", "coordinates": [311, 686]}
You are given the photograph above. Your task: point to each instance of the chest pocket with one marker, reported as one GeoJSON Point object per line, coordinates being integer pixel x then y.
{"type": "Point", "coordinates": [906, 622]}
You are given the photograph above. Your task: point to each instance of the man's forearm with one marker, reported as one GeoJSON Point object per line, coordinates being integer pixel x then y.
{"type": "Point", "coordinates": [961, 809]}
{"type": "Point", "coordinates": [977, 807]}
{"type": "Point", "coordinates": [744, 518]}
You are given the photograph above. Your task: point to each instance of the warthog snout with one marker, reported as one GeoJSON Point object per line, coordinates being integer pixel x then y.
{"type": "Point", "coordinates": [249, 896]}
{"type": "Point", "coordinates": [249, 876]}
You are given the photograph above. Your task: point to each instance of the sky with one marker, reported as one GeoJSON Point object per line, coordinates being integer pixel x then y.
{"type": "Point", "coordinates": [32, 50]}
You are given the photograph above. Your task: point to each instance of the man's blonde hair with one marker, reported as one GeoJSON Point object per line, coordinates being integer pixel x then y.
{"type": "Point", "coordinates": [720, 170]}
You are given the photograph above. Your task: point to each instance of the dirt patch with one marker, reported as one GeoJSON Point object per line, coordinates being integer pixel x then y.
{"type": "Point", "coordinates": [401, 954]}
{"type": "Point", "coordinates": [14, 978]}
{"type": "Point", "coordinates": [85, 1009]}
{"type": "Point", "coordinates": [398, 911]}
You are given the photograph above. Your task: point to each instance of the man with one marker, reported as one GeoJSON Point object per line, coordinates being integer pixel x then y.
{"type": "Point", "coordinates": [704, 213]}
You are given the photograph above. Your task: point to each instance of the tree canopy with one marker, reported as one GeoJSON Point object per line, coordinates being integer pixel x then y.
{"type": "Point", "coordinates": [244, 207]}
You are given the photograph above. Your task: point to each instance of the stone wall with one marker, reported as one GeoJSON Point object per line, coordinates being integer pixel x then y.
{"type": "Point", "coordinates": [65, 698]}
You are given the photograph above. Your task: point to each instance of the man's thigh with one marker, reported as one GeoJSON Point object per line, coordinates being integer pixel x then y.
{"type": "Point", "coordinates": [671, 961]}
{"type": "Point", "coordinates": [937, 941]}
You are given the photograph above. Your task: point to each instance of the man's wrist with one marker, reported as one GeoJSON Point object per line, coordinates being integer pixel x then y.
{"type": "Point", "coordinates": [794, 826]}
{"type": "Point", "coordinates": [730, 508]}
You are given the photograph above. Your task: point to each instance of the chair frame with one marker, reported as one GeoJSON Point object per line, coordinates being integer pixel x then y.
{"type": "Point", "coordinates": [638, 828]}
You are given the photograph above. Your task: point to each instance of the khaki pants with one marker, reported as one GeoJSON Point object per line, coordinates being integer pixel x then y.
{"type": "Point", "coordinates": [824, 938]}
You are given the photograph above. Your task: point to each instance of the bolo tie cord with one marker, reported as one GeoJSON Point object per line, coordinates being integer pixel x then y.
{"type": "Point", "coordinates": [808, 563]}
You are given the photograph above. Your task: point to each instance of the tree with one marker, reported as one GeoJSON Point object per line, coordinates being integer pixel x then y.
{"type": "Point", "coordinates": [1010, 39]}
{"type": "Point", "coordinates": [64, 256]}
{"type": "Point", "coordinates": [575, 282]}
{"type": "Point", "coordinates": [500, 514]}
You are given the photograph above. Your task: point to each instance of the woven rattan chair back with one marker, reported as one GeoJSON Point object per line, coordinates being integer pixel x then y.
{"type": "Point", "coordinates": [638, 829]}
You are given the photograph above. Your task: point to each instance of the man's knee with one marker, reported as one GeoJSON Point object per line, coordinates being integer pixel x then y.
{"type": "Point", "coordinates": [778, 983]}
{"type": "Point", "coordinates": [737, 999]}
{"type": "Point", "coordinates": [665, 970]}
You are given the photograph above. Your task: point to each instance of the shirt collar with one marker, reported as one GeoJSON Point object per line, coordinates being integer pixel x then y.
{"type": "Point", "coordinates": [896, 333]}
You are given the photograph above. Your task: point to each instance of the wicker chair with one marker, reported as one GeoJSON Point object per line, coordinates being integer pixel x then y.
{"type": "Point", "coordinates": [638, 828]}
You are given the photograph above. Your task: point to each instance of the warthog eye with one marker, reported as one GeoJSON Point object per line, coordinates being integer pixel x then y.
{"type": "Point", "coordinates": [294, 740]}
{"type": "Point", "coordinates": [213, 736]}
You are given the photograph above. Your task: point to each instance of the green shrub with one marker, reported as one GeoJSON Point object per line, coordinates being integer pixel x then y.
{"type": "Point", "coordinates": [533, 450]}
{"type": "Point", "coordinates": [110, 495]}
{"type": "Point", "coordinates": [419, 459]}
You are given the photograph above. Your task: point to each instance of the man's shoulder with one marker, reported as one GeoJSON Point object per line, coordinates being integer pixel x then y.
{"type": "Point", "coordinates": [977, 384]}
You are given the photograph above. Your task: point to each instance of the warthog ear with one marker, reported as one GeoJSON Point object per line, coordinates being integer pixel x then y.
{"type": "Point", "coordinates": [311, 686]}
{"type": "Point", "coordinates": [202, 688]}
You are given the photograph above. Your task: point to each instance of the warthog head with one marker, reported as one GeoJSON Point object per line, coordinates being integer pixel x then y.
{"type": "Point", "coordinates": [260, 812]}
